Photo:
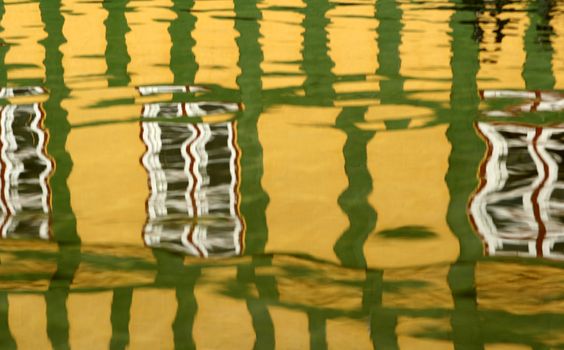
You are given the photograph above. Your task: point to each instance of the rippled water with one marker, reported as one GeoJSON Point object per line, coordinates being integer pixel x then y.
{"type": "Point", "coordinates": [283, 174]}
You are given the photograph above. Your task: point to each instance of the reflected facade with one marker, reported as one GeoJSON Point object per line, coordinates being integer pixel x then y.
{"type": "Point", "coordinates": [518, 206]}
{"type": "Point", "coordinates": [25, 169]}
{"type": "Point", "coordinates": [193, 169]}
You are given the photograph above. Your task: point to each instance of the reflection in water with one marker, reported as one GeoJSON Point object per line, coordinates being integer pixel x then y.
{"type": "Point", "coordinates": [167, 89]}
{"type": "Point", "coordinates": [194, 179]}
{"type": "Point", "coordinates": [538, 101]}
{"type": "Point", "coordinates": [8, 92]}
{"type": "Point", "coordinates": [25, 170]}
{"type": "Point", "coordinates": [336, 200]}
{"type": "Point", "coordinates": [190, 109]}
{"type": "Point", "coordinates": [518, 208]}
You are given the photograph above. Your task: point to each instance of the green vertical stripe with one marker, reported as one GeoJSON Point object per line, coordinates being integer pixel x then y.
{"type": "Point", "coordinates": [466, 154]}
{"type": "Point", "coordinates": [182, 60]}
{"type": "Point", "coordinates": [537, 69]}
{"type": "Point", "coordinates": [317, 324]}
{"type": "Point", "coordinates": [254, 199]}
{"type": "Point", "coordinates": [57, 318]}
{"type": "Point", "coordinates": [64, 221]}
{"type": "Point", "coordinates": [183, 325]}
{"type": "Point", "coordinates": [183, 65]}
{"type": "Point", "coordinates": [354, 200]}
{"type": "Point", "coordinates": [116, 54]}
{"type": "Point", "coordinates": [262, 324]}
{"type": "Point", "coordinates": [3, 51]}
{"type": "Point", "coordinates": [389, 15]}
{"type": "Point", "coordinates": [467, 148]}
{"type": "Point", "coordinates": [317, 64]}
{"type": "Point", "coordinates": [258, 308]}
{"type": "Point", "coordinates": [382, 322]}
{"type": "Point", "coordinates": [120, 315]}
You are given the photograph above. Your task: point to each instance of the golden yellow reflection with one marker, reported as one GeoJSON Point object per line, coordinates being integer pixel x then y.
{"type": "Point", "coordinates": [148, 42]}
{"type": "Point", "coordinates": [152, 314]}
{"type": "Point", "coordinates": [427, 70]}
{"type": "Point", "coordinates": [282, 44]}
{"type": "Point", "coordinates": [341, 331]}
{"type": "Point", "coordinates": [502, 51]}
{"type": "Point", "coordinates": [216, 50]}
{"type": "Point", "coordinates": [121, 177]}
{"type": "Point", "coordinates": [295, 337]}
{"type": "Point", "coordinates": [335, 286]}
{"type": "Point", "coordinates": [353, 46]}
{"type": "Point", "coordinates": [410, 196]}
{"type": "Point", "coordinates": [23, 30]}
{"type": "Point", "coordinates": [213, 327]}
{"type": "Point", "coordinates": [22, 325]}
{"type": "Point", "coordinates": [420, 288]}
{"type": "Point", "coordinates": [558, 45]}
{"type": "Point", "coordinates": [87, 312]}
{"type": "Point", "coordinates": [409, 330]}
{"type": "Point", "coordinates": [518, 288]}
{"type": "Point", "coordinates": [317, 185]}
{"type": "Point", "coordinates": [303, 214]}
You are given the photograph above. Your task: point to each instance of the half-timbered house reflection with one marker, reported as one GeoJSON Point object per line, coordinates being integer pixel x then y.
{"type": "Point", "coordinates": [518, 208]}
{"type": "Point", "coordinates": [24, 172]}
{"type": "Point", "coordinates": [194, 180]}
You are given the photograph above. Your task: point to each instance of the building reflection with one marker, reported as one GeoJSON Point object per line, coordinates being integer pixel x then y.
{"type": "Point", "coordinates": [532, 101]}
{"type": "Point", "coordinates": [25, 169]}
{"type": "Point", "coordinates": [518, 208]}
{"type": "Point", "coordinates": [193, 205]}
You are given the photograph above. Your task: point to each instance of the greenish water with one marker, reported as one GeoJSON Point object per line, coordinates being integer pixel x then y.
{"type": "Point", "coordinates": [281, 174]}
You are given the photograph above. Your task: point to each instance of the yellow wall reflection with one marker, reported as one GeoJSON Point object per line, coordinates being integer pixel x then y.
{"type": "Point", "coordinates": [213, 327]}
{"type": "Point", "coordinates": [121, 178]}
{"type": "Point", "coordinates": [410, 195]}
{"type": "Point", "coordinates": [558, 45]}
{"type": "Point", "coordinates": [303, 214]}
{"type": "Point", "coordinates": [29, 332]}
{"type": "Point", "coordinates": [353, 46]}
{"type": "Point", "coordinates": [282, 44]}
{"type": "Point", "coordinates": [152, 314]}
{"type": "Point", "coordinates": [88, 312]}
{"type": "Point", "coordinates": [425, 52]}
{"type": "Point", "coordinates": [502, 52]}
{"type": "Point", "coordinates": [148, 42]}
{"type": "Point", "coordinates": [23, 29]}
{"type": "Point", "coordinates": [216, 51]}
{"type": "Point", "coordinates": [294, 337]}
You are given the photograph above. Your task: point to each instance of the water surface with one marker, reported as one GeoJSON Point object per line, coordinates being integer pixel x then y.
{"type": "Point", "coordinates": [285, 174]}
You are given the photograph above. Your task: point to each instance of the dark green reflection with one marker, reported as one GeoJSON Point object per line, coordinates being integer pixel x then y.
{"type": "Point", "coordinates": [121, 304]}
{"type": "Point", "coordinates": [354, 200]}
{"type": "Point", "coordinates": [317, 330]}
{"type": "Point", "coordinates": [184, 67]}
{"type": "Point", "coordinates": [116, 54]}
{"type": "Point", "coordinates": [389, 15]}
{"type": "Point", "coordinates": [254, 199]}
{"type": "Point", "coordinates": [316, 63]}
{"type": "Point", "coordinates": [182, 60]}
{"type": "Point", "coordinates": [64, 221]}
{"type": "Point", "coordinates": [3, 51]}
{"type": "Point", "coordinates": [183, 325]}
{"type": "Point", "coordinates": [537, 70]}
{"type": "Point", "coordinates": [466, 154]}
